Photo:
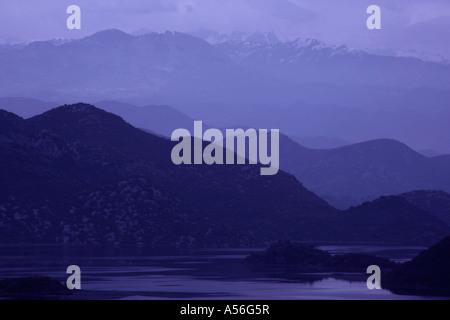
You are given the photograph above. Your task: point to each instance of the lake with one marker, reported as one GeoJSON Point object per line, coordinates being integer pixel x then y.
{"type": "Point", "coordinates": [167, 273]}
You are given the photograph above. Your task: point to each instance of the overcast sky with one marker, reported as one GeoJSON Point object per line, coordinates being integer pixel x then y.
{"type": "Point", "coordinates": [406, 24]}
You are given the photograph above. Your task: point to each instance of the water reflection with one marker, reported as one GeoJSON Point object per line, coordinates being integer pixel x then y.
{"type": "Point", "coordinates": [146, 273]}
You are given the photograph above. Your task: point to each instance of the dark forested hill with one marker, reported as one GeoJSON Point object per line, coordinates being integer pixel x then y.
{"type": "Point", "coordinates": [78, 174]}
{"type": "Point", "coordinates": [434, 202]}
{"type": "Point", "coordinates": [426, 274]}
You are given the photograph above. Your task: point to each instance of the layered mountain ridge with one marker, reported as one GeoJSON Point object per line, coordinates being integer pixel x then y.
{"type": "Point", "coordinates": [77, 174]}
{"type": "Point", "coordinates": [302, 86]}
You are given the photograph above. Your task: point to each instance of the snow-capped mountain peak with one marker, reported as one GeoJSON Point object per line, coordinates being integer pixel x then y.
{"type": "Point", "coordinates": [259, 45]}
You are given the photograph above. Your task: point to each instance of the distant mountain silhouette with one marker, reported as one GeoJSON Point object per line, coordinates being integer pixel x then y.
{"type": "Point", "coordinates": [159, 119]}
{"type": "Point", "coordinates": [303, 87]}
{"type": "Point", "coordinates": [310, 60]}
{"type": "Point", "coordinates": [349, 175]}
{"type": "Point", "coordinates": [164, 68]}
{"type": "Point", "coordinates": [77, 174]}
{"type": "Point", "coordinates": [342, 112]}
{"type": "Point", "coordinates": [25, 107]}
{"type": "Point", "coordinates": [320, 142]}
{"type": "Point", "coordinates": [346, 93]}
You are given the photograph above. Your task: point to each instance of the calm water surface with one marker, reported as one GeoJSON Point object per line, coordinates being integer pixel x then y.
{"type": "Point", "coordinates": [131, 273]}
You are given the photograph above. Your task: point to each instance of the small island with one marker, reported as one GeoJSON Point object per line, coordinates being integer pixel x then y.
{"type": "Point", "coordinates": [290, 257]}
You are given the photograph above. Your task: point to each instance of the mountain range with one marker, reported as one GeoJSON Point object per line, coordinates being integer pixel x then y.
{"type": "Point", "coordinates": [302, 86]}
{"type": "Point", "coordinates": [78, 174]}
{"type": "Point", "coordinates": [310, 60]}
{"type": "Point", "coordinates": [112, 64]}
{"type": "Point", "coordinates": [344, 176]}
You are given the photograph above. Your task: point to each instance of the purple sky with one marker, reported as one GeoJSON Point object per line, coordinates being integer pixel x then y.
{"type": "Point", "coordinates": [422, 25]}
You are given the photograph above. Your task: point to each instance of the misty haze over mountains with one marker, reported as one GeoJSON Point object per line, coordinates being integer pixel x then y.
{"type": "Point", "coordinates": [349, 175]}
{"type": "Point", "coordinates": [303, 87]}
{"type": "Point", "coordinates": [347, 109]}
{"type": "Point", "coordinates": [364, 111]}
